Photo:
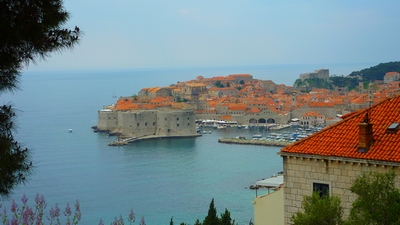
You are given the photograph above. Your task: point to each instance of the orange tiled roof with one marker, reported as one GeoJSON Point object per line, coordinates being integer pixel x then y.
{"type": "Point", "coordinates": [240, 75]}
{"type": "Point", "coordinates": [358, 100]}
{"type": "Point", "coordinates": [342, 138]}
{"type": "Point", "coordinates": [253, 110]}
{"type": "Point", "coordinates": [311, 114]}
{"type": "Point", "coordinates": [237, 107]}
{"type": "Point", "coordinates": [391, 74]}
{"type": "Point", "coordinates": [321, 104]}
{"type": "Point", "coordinates": [126, 104]}
{"type": "Point", "coordinates": [195, 84]}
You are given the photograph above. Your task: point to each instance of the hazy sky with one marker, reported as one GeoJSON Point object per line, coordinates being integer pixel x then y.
{"type": "Point", "coordinates": [123, 34]}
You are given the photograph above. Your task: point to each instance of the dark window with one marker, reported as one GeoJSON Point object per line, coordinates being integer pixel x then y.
{"type": "Point", "coordinates": [322, 189]}
{"type": "Point", "coordinates": [177, 119]}
{"type": "Point", "coordinates": [138, 124]}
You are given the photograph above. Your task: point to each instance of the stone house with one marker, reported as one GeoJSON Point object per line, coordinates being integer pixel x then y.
{"type": "Point", "coordinates": [155, 92]}
{"type": "Point", "coordinates": [220, 92]}
{"type": "Point", "coordinates": [329, 161]}
{"type": "Point", "coordinates": [391, 76]}
{"type": "Point", "coordinates": [266, 85]}
{"type": "Point", "coordinates": [312, 119]}
{"type": "Point", "coordinates": [241, 77]}
{"type": "Point", "coordinates": [192, 91]}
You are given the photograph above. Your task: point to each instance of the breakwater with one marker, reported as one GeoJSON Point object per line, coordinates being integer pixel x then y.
{"type": "Point", "coordinates": [126, 141]}
{"type": "Point", "coordinates": [253, 142]}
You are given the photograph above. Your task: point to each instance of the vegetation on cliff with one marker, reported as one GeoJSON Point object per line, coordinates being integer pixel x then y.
{"type": "Point", "coordinates": [352, 80]}
{"type": "Point", "coordinates": [376, 72]}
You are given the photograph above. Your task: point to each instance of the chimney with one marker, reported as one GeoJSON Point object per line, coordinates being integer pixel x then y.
{"type": "Point", "coordinates": [366, 135]}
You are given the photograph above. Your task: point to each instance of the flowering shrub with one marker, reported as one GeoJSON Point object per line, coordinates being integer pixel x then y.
{"type": "Point", "coordinates": [25, 215]}
{"type": "Point", "coordinates": [121, 221]}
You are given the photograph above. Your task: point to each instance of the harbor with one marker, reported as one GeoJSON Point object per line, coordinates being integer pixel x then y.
{"type": "Point", "coordinates": [275, 135]}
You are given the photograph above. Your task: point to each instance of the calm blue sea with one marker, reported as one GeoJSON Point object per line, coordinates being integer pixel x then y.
{"type": "Point", "coordinates": [157, 179]}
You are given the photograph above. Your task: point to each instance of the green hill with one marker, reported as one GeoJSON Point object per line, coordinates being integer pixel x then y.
{"type": "Point", "coordinates": [377, 72]}
{"type": "Point", "coordinates": [352, 80]}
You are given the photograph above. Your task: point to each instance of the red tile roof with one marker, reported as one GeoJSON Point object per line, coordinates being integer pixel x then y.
{"type": "Point", "coordinates": [342, 138]}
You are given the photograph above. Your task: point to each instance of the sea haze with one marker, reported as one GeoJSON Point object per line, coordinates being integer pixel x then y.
{"type": "Point", "coordinates": [158, 179]}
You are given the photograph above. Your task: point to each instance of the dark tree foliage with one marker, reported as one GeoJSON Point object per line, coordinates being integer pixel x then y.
{"type": "Point", "coordinates": [212, 217]}
{"type": "Point", "coordinates": [377, 72]}
{"type": "Point", "coordinates": [313, 83]}
{"type": "Point", "coordinates": [350, 82]}
{"type": "Point", "coordinates": [15, 162]}
{"type": "Point", "coordinates": [219, 84]}
{"type": "Point", "coordinates": [226, 218]}
{"type": "Point", "coordinates": [319, 210]}
{"type": "Point", "coordinates": [378, 200]}
{"type": "Point", "coordinates": [28, 30]}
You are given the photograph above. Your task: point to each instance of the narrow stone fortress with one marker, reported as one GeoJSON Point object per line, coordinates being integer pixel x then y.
{"type": "Point", "coordinates": [321, 74]}
{"type": "Point", "coordinates": [164, 122]}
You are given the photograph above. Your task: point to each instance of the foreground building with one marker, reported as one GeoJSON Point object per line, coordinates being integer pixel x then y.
{"type": "Point", "coordinates": [330, 160]}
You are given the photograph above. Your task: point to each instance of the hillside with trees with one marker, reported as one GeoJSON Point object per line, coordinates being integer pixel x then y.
{"type": "Point", "coordinates": [352, 80]}
{"type": "Point", "coordinates": [376, 72]}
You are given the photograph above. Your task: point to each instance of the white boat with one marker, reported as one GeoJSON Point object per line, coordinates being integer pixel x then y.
{"type": "Point", "coordinates": [221, 126]}
{"type": "Point", "coordinates": [257, 136]}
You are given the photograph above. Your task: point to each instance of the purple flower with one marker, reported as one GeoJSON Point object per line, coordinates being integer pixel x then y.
{"type": "Point", "coordinates": [142, 222]}
{"type": "Point", "coordinates": [28, 215]}
{"type": "Point", "coordinates": [14, 206]}
{"type": "Point", "coordinates": [40, 202]}
{"type": "Point", "coordinates": [67, 211]}
{"type": "Point", "coordinates": [24, 199]}
{"type": "Point", "coordinates": [131, 217]}
{"type": "Point", "coordinates": [54, 212]}
{"type": "Point", "coordinates": [77, 214]}
{"type": "Point", "coordinates": [14, 221]}
{"type": "Point", "coordinates": [115, 222]}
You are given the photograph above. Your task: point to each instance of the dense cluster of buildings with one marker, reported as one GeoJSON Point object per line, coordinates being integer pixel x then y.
{"type": "Point", "coordinates": [240, 98]}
